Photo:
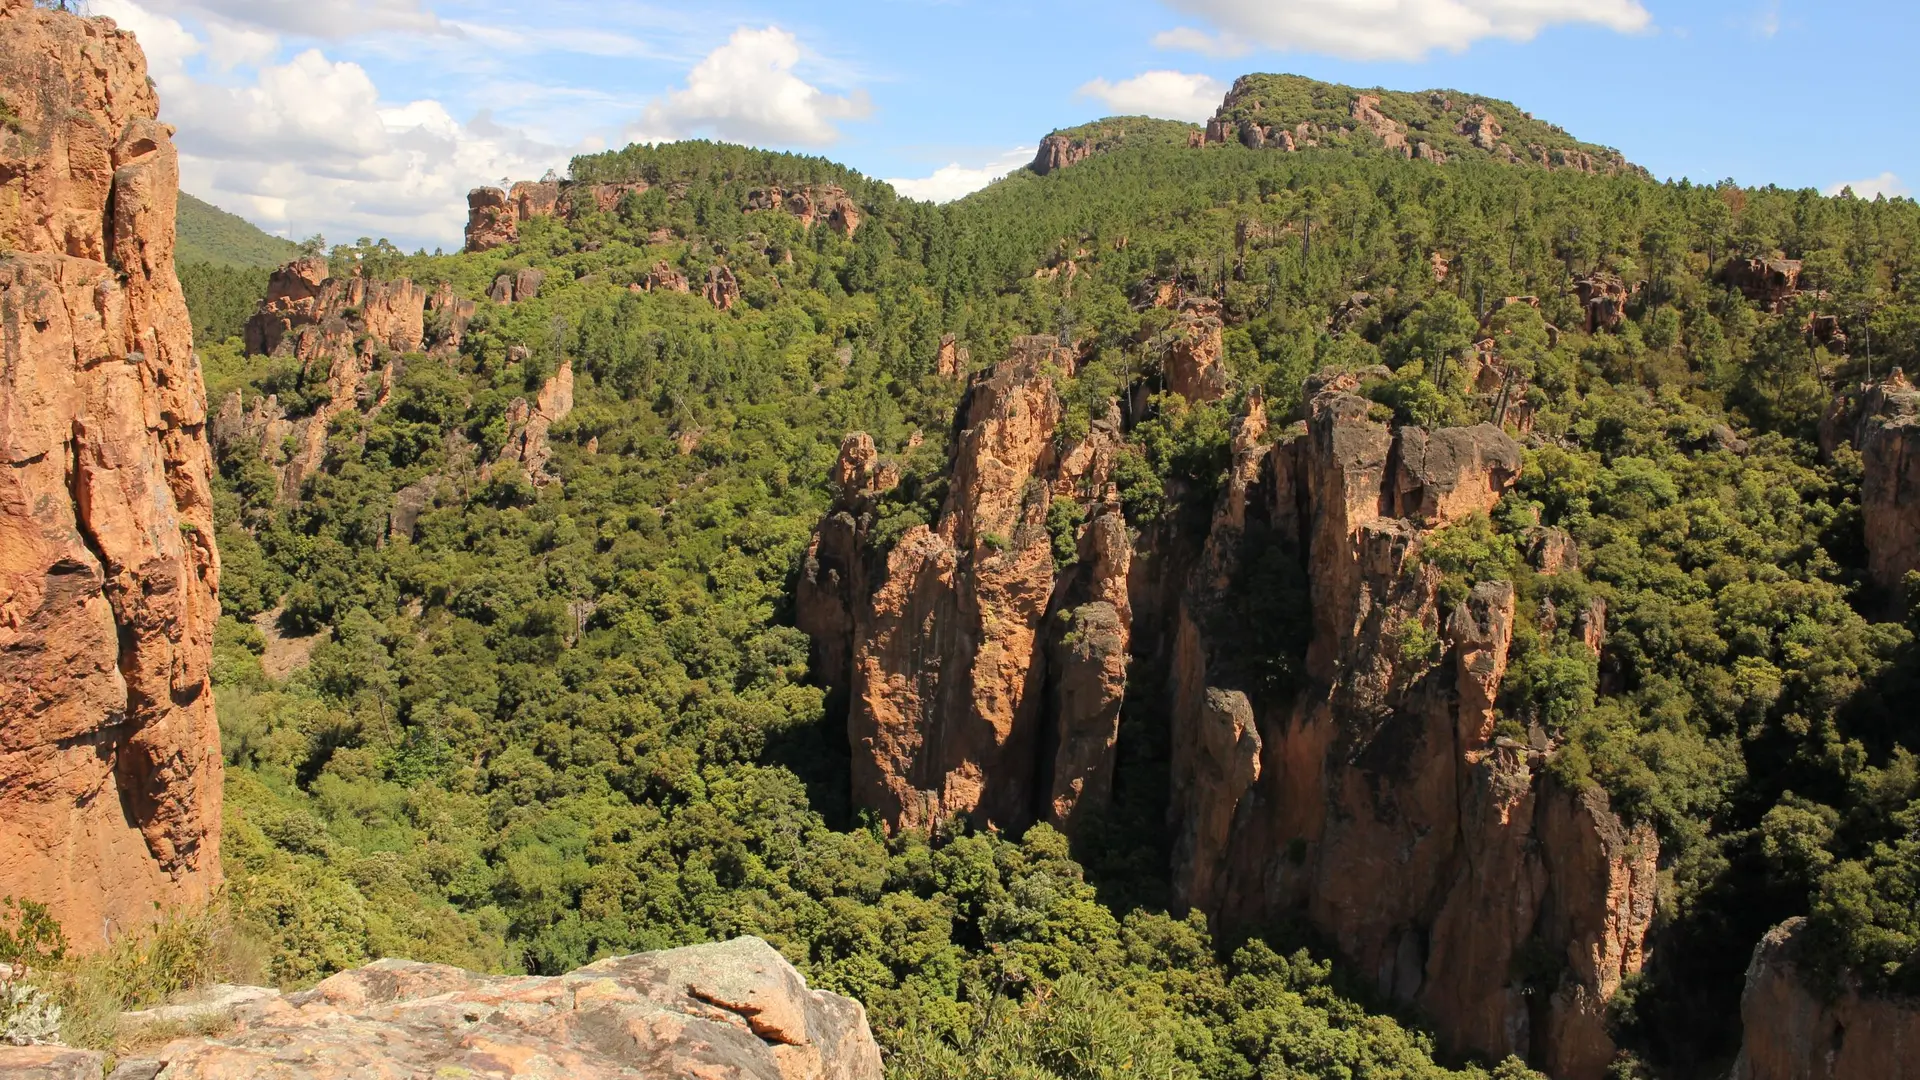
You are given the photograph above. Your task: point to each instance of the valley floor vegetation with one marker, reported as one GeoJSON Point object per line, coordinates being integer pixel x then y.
{"type": "Point", "coordinates": [573, 719]}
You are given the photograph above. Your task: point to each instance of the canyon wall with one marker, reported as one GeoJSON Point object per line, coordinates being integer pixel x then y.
{"type": "Point", "coordinates": [1794, 1033]}
{"type": "Point", "coordinates": [1881, 420]}
{"type": "Point", "coordinates": [984, 658]}
{"type": "Point", "coordinates": [110, 769]}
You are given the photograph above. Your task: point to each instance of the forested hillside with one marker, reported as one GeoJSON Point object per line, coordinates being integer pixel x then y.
{"type": "Point", "coordinates": [509, 675]}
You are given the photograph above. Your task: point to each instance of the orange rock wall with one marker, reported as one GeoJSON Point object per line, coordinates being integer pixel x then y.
{"type": "Point", "coordinates": [110, 770]}
{"type": "Point", "coordinates": [1793, 1034]}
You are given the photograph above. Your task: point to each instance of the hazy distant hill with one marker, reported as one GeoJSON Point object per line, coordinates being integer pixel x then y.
{"type": "Point", "coordinates": [209, 234]}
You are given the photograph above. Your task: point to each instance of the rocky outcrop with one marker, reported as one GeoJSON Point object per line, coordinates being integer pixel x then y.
{"type": "Point", "coordinates": [1772, 283]}
{"type": "Point", "coordinates": [1443, 861]}
{"type": "Point", "coordinates": [494, 216]}
{"type": "Point", "coordinates": [1794, 1033]}
{"type": "Point", "coordinates": [1059, 152]}
{"type": "Point", "coordinates": [964, 696]}
{"type": "Point", "coordinates": [528, 425]}
{"type": "Point", "coordinates": [356, 330]}
{"type": "Point", "coordinates": [1366, 791]}
{"type": "Point", "coordinates": [1604, 298]}
{"type": "Point", "coordinates": [1195, 352]}
{"type": "Point", "coordinates": [517, 287]}
{"type": "Point", "coordinates": [1366, 114]}
{"type": "Point", "coordinates": [735, 1010]}
{"type": "Point", "coordinates": [722, 289]}
{"type": "Point", "coordinates": [303, 302]}
{"type": "Point", "coordinates": [664, 278]}
{"type": "Point", "coordinates": [1882, 421]}
{"type": "Point", "coordinates": [821, 202]}
{"type": "Point", "coordinates": [110, 769]}
{"type": "Point", "coordinates": [953, 359]}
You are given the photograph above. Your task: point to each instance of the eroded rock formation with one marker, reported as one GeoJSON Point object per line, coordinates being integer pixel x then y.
{"type": "Point", "coordinates": [1444, 862]}
{"type": "Point", "coordinates": [494, 216]}
{"type": "Point", "coordinates": [735, 1010]}
{"type": "Point", "coordinates": [821, 202]}
{"type": "Point", "coordinates": [529, 423]}
{"type": "Point", "coordinates": [1794, 1033]}
{"type": "Point", "coordinates": [354, 329]}
{"type": "Point", "coordinates": [1059, 152]}
{"type": "Point", "coordinates": [110, 769]}
{"type": "Point", "coordinates": [1882, 421]}
{"type": "Point", "coordinates": [1367, 791]}
{"type": "Point", "coordinates": [964, 697]}
{"type": "Point", "coordinates": [1195, 354]}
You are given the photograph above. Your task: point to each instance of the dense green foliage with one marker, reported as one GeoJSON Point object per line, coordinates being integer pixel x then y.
{"type": "Point", "coordinates": [208, 234]}
{"type": "Point", "coordinates": [571, 719]}
{"type": "Point", "coordinates": [1439, 118]}
{"type": "Point", "coordinates": [220, 298]}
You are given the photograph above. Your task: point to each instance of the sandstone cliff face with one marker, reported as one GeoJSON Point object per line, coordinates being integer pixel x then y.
{"type": "Point", "coordinates": [1446, 864]}
{"type": "Point", "coordinates": [1373, 797]}
{"type": "Point", "coordinates": [352, 328]}
{"type": "Point", "coordinates": [1882, 421]}
{"type": "Point", "coordinates": [735, 1010]}
{"type": "Point", "coordinates": [963, 697]}
{"type": "Point", "coordinates": [1060, 152]}
{"type": "Point", "coordinates": [1793, 1034]}
{"type": "Point", "coordinates": [109, 752]}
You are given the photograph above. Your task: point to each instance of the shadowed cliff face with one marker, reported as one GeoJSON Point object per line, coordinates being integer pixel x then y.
{"type": "Point", "coordinates": [1370, 794]}
{"type": "Point", "coordinates": [964, 698]}
{"type": "Point", "coordinates": [1446, 865]}
{"type": "Point", "coordinates": [109, 752]}
{"type": "Point", "coordinates": [1794, 1033]}
{"type": "Point", "coordinates": [1882, 421]}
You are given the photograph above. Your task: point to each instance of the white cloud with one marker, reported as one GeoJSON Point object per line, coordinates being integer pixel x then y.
{"type": "Point", "coordinates": [746, 90]}
{"type": "Point", "coordinates": [1170, 95]}
{"type": "Point", "coordinates": [306, 18]}
{"type": "Point", "coordinates": [1885, 184]}
{"type": "Point", "coordinates": [1388, 29]}
{"type": "Point", "coordinates": [950, 182]}
{"type": "Point", "coordinates": [1767, 23]}
{"type": "Point", "coordinates": [1187, 39]}
{"type": "Point", "coordinates": [308, 146]}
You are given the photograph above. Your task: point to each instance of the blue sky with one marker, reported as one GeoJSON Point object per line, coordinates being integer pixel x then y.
{"type": "Point", "coordinates": [373, 117]}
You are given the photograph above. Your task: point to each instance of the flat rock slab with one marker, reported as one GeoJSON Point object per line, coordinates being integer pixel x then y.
{"type": "Point", "coordinates": [735, 1010]}
{"type": "Point", "coordinates": [50, 1063]}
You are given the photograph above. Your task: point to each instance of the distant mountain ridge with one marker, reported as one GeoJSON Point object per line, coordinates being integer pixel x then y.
{"type": "Point", "coordinates": [1293, 113]}
{"type": "Point", "coordinates": [208, 234]}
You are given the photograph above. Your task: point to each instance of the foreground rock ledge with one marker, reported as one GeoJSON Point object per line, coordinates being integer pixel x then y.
{"type": "Point", "coordinates": [736, 1010]}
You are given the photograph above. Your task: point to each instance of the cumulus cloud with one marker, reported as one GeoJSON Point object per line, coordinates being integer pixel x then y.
{"type": "Point", "coordinates": [746, 90]}
{"type": "Point", "coordinates": [950, 182]}
{"type": "Point", "coordinates": [1873, 187]}
{"type": "Point", "coordinates": [1170, 95]}
{"type": "Point", "coordinates": [307, 145]}
{"type": "Point", "coordinates": [1388, 29]}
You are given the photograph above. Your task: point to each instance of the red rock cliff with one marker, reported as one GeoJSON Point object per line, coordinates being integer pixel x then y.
{"type": "Point", "coordinates": [352, 328]}
{"type": "Point", "coordinates": [110, 769]}
{"type": "Point", "coordinates": [963, 697]}
{"type": "Point", "coordinates": [1882, 421]}
{"type": "Point", "coordinates": [1373, 798]}
{"type": "Point", "coordinates": [1793, 1033]}
{"type": "Point", "coordinates": [1447, 865]}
